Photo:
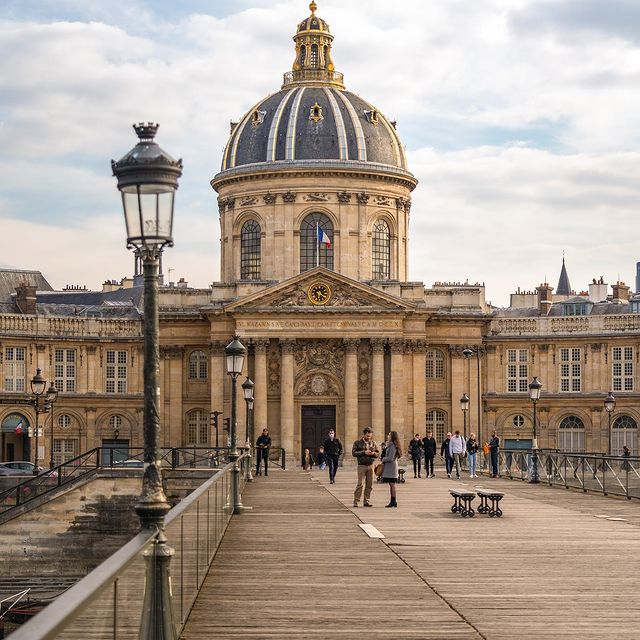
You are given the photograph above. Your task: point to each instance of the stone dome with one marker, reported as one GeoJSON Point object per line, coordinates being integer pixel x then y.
{"type": "Point", "coordinates": [313, 117]}
{"type": "Point", "coordinates": [314, 123]}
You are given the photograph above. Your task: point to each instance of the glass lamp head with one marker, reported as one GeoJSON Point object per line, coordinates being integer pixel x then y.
{"type": "Point", "coordinates": [38, 383]}
{"type": "Point", "coordinates": [234, 353]}
{"type": "Point", "coordinates": [535, 387]}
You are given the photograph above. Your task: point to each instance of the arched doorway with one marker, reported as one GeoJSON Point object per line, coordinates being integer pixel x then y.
{"type": "Point", "coordinates": [15, 437]}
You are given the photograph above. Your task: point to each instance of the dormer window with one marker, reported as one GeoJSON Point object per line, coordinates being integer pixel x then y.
{"type": "Point", "coordinates": [371, 116]}
{"type": "Point", "coordinates": [258, 117]}
{"type": "Point", "coordinates": [634, 305]}
{"type": "Point", "coordinates": [316, 113]}
{"type": "Point", "coordinates": [575, 309]}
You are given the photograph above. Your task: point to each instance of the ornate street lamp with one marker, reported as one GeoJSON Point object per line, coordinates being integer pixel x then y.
{"type": "Point", "coordinates": [148, 179]}
{"type": "Point", "coordinates": [464, 405]}
{"type": "Point", "coordinates": [38, 387]}
{"type": "Point", "coordinates": [247, 389]}
{"type": "Point", "coordinates": [52, 396]}
{"type": "Point", "coordinates": [609, 405]}
{"type": "Point", "coordinates": [235, 353]}
{"type": "Point", "coordinates": [535, 387]}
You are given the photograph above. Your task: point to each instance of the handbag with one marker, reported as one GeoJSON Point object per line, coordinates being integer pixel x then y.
{"type": "Point", "coordinates": [378, 469]}
{"type": "Point", "coordinates": [485, 449]}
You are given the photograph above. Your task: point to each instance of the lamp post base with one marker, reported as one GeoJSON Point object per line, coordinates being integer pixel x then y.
{"type": "Point", "coordinates": [249, 461]}
{"type": "Point", "coordinates": [534, 475]}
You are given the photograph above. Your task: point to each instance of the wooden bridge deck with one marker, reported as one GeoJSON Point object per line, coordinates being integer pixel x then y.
{"type": "Point", "coordinates": [558, 564]}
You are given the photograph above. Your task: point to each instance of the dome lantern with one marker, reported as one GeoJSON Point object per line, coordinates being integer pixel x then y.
{"type": "Point", "coordinates": [313, 62]}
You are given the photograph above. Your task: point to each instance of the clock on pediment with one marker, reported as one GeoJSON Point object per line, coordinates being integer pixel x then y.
{"type": "Point", "coordinates": [319, 292]}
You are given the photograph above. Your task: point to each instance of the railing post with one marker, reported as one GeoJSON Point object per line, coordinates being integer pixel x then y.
{"type": "Point", "coordinates": [284, 459]}
{"type": "Point", "coordinates": [174, 458]}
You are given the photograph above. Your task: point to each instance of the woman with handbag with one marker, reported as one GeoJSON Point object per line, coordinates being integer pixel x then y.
{"type": "Point", "coordinates": [392, 452]}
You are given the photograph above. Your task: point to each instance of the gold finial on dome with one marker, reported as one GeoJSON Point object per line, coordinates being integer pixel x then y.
{"type": "Point", "coordinates": [313, 6]}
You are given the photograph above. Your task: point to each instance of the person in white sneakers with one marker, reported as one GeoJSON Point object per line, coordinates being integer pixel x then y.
{"type": "Point", "coordinates": [457, 449]}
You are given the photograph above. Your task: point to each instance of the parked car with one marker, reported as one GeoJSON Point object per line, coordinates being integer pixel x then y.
{"type": "Point", "coordinates": [131, 462]}
{"type": "Point", "coordinates": [25, 468]}
{"type": "Point", "coordinates": [7, 471]}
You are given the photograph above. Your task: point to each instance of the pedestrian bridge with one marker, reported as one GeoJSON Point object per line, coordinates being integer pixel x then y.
{"type": "Point", "coordinates": [297, 564]}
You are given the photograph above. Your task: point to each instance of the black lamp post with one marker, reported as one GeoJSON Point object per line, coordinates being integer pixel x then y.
{"type": "Point", "coordinates": [52, 396]}
{"type": "Point", "coordinates": [247, 389]}
{"type": "Point", "coordinates": [609, 405]}
{"type": "Point", "coordinates": [464, 405]}
{"type": "Point", "coordinates": [38, 387]}
{"type": "Point", "coordinates": [467, 353]}
{"type": "Point", "coordinates": [235, 353]}
{"type": "Point", "coordinates": [535, 387]}
{"type": "Point", "coordinates": [148, 179]}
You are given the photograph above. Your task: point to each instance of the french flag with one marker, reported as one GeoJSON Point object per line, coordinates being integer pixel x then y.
{"type": "Point", "coordinates": [19, 426]}
{"type": "Point", "coordinates": [323, 238]}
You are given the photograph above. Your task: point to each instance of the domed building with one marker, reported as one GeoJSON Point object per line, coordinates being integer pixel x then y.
{"type": "Point", "coordinates": [314, 157]}
{"type": "Point", "coordinates": [314, 196]}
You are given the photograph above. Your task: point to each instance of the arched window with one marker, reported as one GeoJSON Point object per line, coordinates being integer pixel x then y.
{"type": "Point", "coordinates": [437, 422]}
{"type": "Point", "coordinates": [250, 251]}
{"type": "Point", "coordinates": [624, 432]}
{"type": "Point", "coordinates": [381, 251]}
{"type": "Point", "coordinates": [115, 422]}
{"type": "Point", "coordinates": [198, 366]}
{"type": "Point", "coordinates": [435, 364]}
{"type": "Point", "coordinates": [313, 252]}
{"type": "Point", "coordinates": [571, 434]}
{"type": "Point", "coordinates": [303, 55]}
{"type": "Point", "coordinates": [197, 428]}
{"type": "Point", "coordinates": [64, 421]}
{"type": "Point", "coordinates": [314, 56]}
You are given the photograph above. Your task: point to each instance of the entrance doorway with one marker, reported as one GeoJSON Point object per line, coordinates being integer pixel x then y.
{"type": "Point", "coordinates": [316, 422]}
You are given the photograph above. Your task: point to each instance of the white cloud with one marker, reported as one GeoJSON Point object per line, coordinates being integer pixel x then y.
{"type": "Point", "coordinates": [529, 109]}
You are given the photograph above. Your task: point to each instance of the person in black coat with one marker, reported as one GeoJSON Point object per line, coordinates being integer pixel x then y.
{"type": "Point", "coordinates": [415, 450]}
{"type": "Point", "coordinates": [333, 449]}
{"type": "Point", "coordinates": [446, 454]}
{"type": "Point", "coordinates": [429, 445]}
{"type": "Point", "coordinates": [263, 444]}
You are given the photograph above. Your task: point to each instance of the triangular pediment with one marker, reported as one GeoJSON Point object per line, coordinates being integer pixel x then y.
{"type": "Point", "coordinates": [320, 289]}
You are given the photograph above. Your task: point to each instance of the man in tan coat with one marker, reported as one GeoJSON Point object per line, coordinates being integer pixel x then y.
{"type": "Point", "coordinates": [366, 450]}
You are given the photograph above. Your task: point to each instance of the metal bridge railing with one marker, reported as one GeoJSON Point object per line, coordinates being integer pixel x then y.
{"type": "Point", "coordinates": [18, 490]}
{"type": "Point", "coordinates": [614, 475]}
{"type": "Point", "coordinates": [107, 603]}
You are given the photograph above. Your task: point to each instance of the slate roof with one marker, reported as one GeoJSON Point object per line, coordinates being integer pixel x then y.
{"type": "Point", "coordinates": [12, 278]}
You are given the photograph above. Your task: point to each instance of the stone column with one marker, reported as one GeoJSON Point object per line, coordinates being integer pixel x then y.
{"type": "Point", "coordinates": [260, 390]}
{"type": "Point", "coordinates": [398, 389]}
{"type": "Point", "coordinates": [419, 386]}
{"type": "Point", "coordinates": [377, 387]}
{"type": "Point", "coordinates": [217, 377]}
{"type": "Point", "coordinates": [286, 397]}
{"type": "Point", "coordinates": [459, 385]}
{"type": "Point", "coordinates": [350, 393]}
{"type": "Point", "coordinates": [173, 415]}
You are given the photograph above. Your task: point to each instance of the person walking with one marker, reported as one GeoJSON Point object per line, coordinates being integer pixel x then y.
{"type": "Point", "coordinates": [263, 444]}
{"type": "Point", "coordinates": [457, 450]}
{"type": "Point", "coordinates": [445, 453]}
{"type": "Point", "coordinates": [494, 447]}
{"type": "Point", "coordinates": [333, 449]}
{"type": "Point", "coordinates": [472, 455]}
{"type": "Point", "coordinates": [429, 445]}
{"type": "Point", "coordinates": [321, 459]}
{"type": "Point", "coordinates": [392, 452]}
{"type": "Point", "coordinates": [366, 451]}
{"type": "Point", "coordinates": [415, 450]}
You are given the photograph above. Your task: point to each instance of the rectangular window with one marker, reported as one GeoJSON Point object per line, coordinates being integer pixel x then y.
{"type": "Point", "coordinates": [15, 369]}
{"type": "Point", "coordinates": [65, 370]}
{"type": "Point", "coordinates": [517, 370]}
{"type": "Point", "coordinates": [64, 449]}
{"type": "Point", "coordinates": [570, 370]}
{"type": "Point", "coordinates": [116, 372]}
{"type": "Point", "coordinates": [622, 368]}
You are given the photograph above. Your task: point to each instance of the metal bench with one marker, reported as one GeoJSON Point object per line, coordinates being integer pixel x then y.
{"type": "Point", "coordinates": [462, 502]}
{"type": "Point", "coordinates": [492, 509]}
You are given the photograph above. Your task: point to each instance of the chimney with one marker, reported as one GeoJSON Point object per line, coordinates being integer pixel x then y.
{"type": "Point", "coordinates": [598, 290]}
{"type": "Point", "coordinates": [545, 300]}
{"type": "Point", "coordinates": [620, 293]}
{"type": "Point", "coordinates": [26, 299]}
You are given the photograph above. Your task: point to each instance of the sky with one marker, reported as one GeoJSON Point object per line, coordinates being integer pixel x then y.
{"type": "Point", "coordinates": [520, 118]}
